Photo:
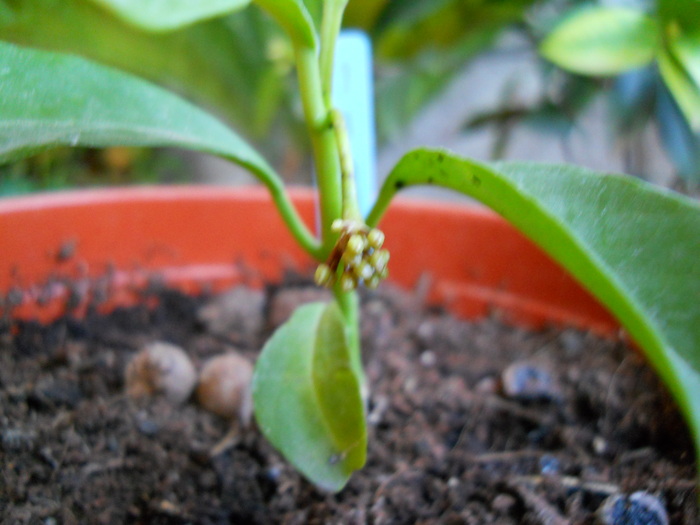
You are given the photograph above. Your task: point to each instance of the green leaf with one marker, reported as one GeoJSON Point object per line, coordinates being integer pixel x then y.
{"type": "Point", "coordinates": [49, 99]}
{"type": "Point", "coordinates": [220, 63]}
{"type": "Point", "coordinates": [441, 24]}
{"type": "Point", "coordinates": [307, 396]}
{"type": "Point", "coordinates": [363, 13]}
{"type": "Point", "coordinates": [6, 14]}
{"type": "Point", "coordinates": [634, 246]}
{"type": "Point", "coordinates": [602, 41]}
{"type": "Point", "coordinates": [685, 13]}
{"type": "Point", "coordinates": [684, 91]}
{"type": "Point", "coordinates": [164, 15]}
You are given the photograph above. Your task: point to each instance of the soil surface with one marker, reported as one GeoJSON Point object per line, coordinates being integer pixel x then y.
{"type": "Point", "coordinates": [468, 423]}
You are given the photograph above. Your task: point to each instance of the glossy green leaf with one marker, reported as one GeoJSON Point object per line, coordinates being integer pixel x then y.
{"type": "Point", "coordinates": [49, 99]}
{"type": "Point", "coordinates": [6, 14]}
{"type": "Point", "coordinates": [602, 41]}
{"type": "Point", "coordinates": [295, 18]}
{"type": "Point", "coordinates": [634, 246]}
{"type": "Point", "coordinates": [682, 87]}
{"type": "Point", "coordinates": [221, 63]}
{"type": "Point", "coordinates": [684, 13]}
{"type": "Point", "coordinates": [441, 24]}
{"type": "Point", "coordinates": [307, 396]}
{"type": "Point", "coordinates": [364, 13]}
{"type": "Point", "coordinates": [164, 15]}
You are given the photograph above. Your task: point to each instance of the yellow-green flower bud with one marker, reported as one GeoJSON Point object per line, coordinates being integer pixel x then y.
{"type": "Point", "coordinates": [379, 260]}
{"type": "Point", "coordinates": [356, 244]}
{"type": "Point", "coordinates": [351, 259]}
{"type": "Point", "coordinates": [373, 282]}
{"type": "Point", "coordinates": [375, 238]}
{"type": "Point", "coordinates": [363, 271]}
{"type": "Point", "coordinates": [348, 282]}
{"type": "Point", "coordinates": [323, 275]}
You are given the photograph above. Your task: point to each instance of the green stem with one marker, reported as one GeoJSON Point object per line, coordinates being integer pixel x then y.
{"type": "Point", "coordinates": [336, 184]}
{"type": "Point", "coordinates": [386, 193]}
{"type": "Point", "coordinates": [350, 307]}
{"type": "Point", "coordinates": [330, 28]}
{"type": "Point", "coordinates": [351, 208]}
{"type": "Point", "coordinates": [297, 23]}
{"type": "Point", "coordinates": [291, 218]}
{"type": "Point", "coordinates": [323, 140]}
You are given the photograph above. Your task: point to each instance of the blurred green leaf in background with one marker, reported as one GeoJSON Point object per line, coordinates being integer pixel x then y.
{"type": "Point", "coordinates": [421, 45]}
{"type": "Point", "coordinates": [658, 41]}
{"type": "Point", "coordinates": [226, 64]}
{"type": "Point", "coordinates": [239, 65]}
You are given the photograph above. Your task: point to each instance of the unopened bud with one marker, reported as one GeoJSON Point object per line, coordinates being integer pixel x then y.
{"type": "Point", "coordinates": [348, 282]}
{"type": "Point", "coordinates": [364, 271]}
{"type": "Point", "coordinates": [337, 226]}
{"type": "Point", "coordinates": [373, 282]}
{"type": "Point", "coordinates": [379, 260]}
{"type": "Point", "coordinates": [351, 259]}
{"type": "Point", "coordinates": [375, 238]}
{"type": "Point", "coordinates": [356, 244]}
{"type": "Point", "coordinates": [323, 275]}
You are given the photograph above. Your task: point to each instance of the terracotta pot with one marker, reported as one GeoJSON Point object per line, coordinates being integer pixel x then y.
{"type": "Point", "coordinates": [65, 250]}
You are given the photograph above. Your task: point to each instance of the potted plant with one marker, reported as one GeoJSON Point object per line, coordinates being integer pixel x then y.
{"type": "Point", "coordinates": [631, 245]}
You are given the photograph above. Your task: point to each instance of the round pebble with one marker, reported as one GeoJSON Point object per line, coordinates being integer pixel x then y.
{"type": "Point", "coordinates": [639, 508]}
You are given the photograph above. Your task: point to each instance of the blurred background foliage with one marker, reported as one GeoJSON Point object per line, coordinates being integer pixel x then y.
{"type": "Point", "coordinates": [241, 67]}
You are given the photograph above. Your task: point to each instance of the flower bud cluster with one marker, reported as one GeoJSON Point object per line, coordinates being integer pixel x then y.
{"type": "Point", "coordinates": [357, 258]}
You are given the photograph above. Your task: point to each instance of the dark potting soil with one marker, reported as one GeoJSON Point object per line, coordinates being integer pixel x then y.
{"type": "Point", "coordinates": [468, 423]}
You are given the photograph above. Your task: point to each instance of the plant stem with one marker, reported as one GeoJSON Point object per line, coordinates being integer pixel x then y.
{"type": "Point", "coordinates": [351, 208]}
{"type": "Point", "coordinates": [338, 141]}
{"type": "Point", "coordinates": [291, 218]}
{"type": "Point", "coordinates": [350, 307]}
{"type": "Point", "coordinates": [323, 140]}
{"type": "Point", "coordinates": [330, 28]}
{"type": "Point", "coordinates": [386, 193]}
{"type": "Point", "coordinates": [315, 75]}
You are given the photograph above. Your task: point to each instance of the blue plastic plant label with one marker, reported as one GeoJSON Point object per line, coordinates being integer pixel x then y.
{"type": "Point", "coordinates": [353, 95]}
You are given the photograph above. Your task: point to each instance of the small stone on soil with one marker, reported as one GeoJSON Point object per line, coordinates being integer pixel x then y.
{"type": "Point", "coordinates": [224, 387]}
{"type": "Point", "coordinates": [161, 368]}
{"type": "Point", "coordinates": [529, 381]}
{"type": "Point", "coordinates": [639, 508]}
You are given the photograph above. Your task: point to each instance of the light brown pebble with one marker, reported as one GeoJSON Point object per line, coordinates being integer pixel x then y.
{"type": "Point", "coordinates": [161, 369]}
{"type": "Point", "coordinates": [224, 387]}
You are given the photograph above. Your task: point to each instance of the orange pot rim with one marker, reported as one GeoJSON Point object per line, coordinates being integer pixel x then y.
{"type": "Point", "coordinates": [65, 252]}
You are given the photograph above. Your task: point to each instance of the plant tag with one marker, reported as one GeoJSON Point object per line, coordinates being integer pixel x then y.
{"type": "Point", "coordinates": [353, 95]}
